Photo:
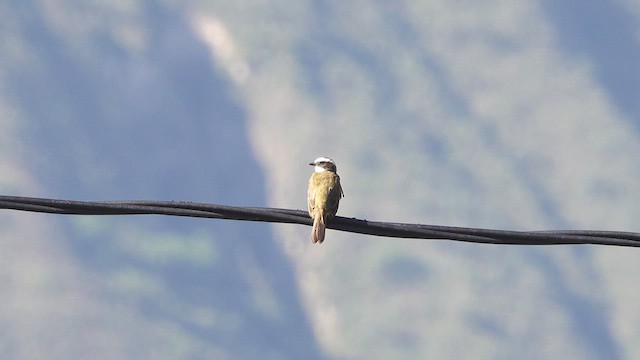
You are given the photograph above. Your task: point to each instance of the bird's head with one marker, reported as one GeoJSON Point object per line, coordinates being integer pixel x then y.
{"type": "Point", "coordinates": [324, 164]}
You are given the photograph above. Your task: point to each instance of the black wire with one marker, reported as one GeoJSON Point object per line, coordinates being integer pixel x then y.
{"type": "Point", "coordinates": [397, 230]}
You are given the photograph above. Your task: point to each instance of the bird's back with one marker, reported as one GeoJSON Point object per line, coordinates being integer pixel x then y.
{"type": "Point", "coordinates": [327, 191]}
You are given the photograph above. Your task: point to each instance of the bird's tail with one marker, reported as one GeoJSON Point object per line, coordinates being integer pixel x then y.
{"type": "Point", "coordinates": [317, 232]}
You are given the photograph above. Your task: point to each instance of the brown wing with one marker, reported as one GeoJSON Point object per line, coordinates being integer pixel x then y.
{"type": "Point", "coordinates": [335, 193]}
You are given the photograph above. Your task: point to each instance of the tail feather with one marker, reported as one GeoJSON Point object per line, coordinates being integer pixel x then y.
{"type": "Point", "coordinates": [317, 232]}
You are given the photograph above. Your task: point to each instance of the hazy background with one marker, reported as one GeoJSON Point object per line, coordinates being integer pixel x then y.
{"type": "Point", "coordinates": [502, 114]}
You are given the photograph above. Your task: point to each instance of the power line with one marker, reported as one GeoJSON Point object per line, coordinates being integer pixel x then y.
{"type": "Point", "coordinates": [397, 230]}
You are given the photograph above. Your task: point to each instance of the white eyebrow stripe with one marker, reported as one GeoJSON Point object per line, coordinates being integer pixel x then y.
{"type": "Point", "coordinates": [323, 159]}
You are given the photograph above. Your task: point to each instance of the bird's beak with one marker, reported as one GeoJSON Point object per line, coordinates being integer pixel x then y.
{"type": "Point", "coordinates": [312, 164]}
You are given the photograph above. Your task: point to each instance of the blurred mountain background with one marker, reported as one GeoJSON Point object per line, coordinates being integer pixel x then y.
{"type": "Point", "coordinates": [502, 114]}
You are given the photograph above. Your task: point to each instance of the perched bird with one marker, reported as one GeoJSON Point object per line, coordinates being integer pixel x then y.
{"type": "Point", "coordinates": [323, 196]}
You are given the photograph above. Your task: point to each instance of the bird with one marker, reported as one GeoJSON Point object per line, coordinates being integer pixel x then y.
{"type": "Point", "coordinates": [323, 196]}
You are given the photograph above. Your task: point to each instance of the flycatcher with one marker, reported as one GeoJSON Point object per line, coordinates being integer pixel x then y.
{"type": "Point", "coordinates": [323, 196]}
